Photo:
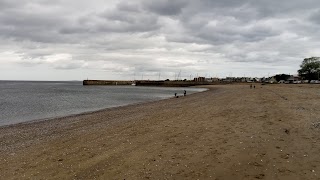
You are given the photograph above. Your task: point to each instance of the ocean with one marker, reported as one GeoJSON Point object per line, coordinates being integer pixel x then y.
{"type": "Point", "coordinates": [23, 101]}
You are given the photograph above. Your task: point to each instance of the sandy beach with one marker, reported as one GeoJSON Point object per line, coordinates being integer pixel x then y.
{"type": "Point", "coordinates": [228, 132]}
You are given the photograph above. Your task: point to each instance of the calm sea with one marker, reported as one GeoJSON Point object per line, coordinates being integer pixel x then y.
{"type": "Point", "coordinates": [22, 101]}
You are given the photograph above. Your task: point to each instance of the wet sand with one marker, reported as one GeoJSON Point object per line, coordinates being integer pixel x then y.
{"type": "Point", "coordinates": [228, 132]}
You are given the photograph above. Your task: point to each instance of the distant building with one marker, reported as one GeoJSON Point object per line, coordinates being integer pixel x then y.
{"type": "Point", "coordinates": [208, 79]}
{"type": "Point", "coordinates": [294, 79]}
{"type": "Point", "coordinates": [231, 79]}
{"type": "Point", "coordinates": [245, 79]}
{"type": "Point", "coordinates": [199, 79]}
{"type": "Point", "coordinates": [256, 79]}
{"type": "Point", "coordinates": [215, 79]}
{"type": "Point", "coordinates": [264, 79]}
{"type": "Point", "coordinates": [272, 80]}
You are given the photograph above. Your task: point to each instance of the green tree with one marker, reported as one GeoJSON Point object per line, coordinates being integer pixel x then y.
{"type": "Point", "coordinates": [280, 77]}
{"type": "Point", "coordinates": [310, 68]}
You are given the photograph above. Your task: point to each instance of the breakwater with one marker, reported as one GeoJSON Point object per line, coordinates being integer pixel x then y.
{"type": "Point", "coordinates": [106, 82]}
{"type": "Point", "coordinates": [149, 83]}
{"type": "Point", "coordinates": [171, 83]}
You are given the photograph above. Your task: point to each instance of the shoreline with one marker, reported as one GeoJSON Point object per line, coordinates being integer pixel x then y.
{"type": "Point", "coordinates": [93, 111]}
{"type": "Point", "coordinates": [228, 132]}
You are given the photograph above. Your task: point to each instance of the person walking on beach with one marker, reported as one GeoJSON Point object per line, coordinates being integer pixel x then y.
{"type": "Point", "coordinates": [250, 86]}
{"type": "Point", "coordinates": [185, 93]}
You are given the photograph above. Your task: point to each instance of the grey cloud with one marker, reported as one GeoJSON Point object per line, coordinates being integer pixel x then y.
{"type": "Point", "coordinates": [229, 34]}
{"type": "Point", "coordinates": [160, 36]}
{"type": "Point", "coordinates": [68, 66]}
{"type": "Point", "coordinates": [124, 19]}
{"type": "Point", "coordinates": [273, 8]}
{"type": "Point", "coordinates": [165, 7]}
{"type": "Point", "coordinates": [128, 6]}
{"type": "Point", "coordinates": [221, 3]}
{"type": "Point", "coordinates": [315, 17]}
{"type": "Point", "coordinates": [55, 61]}
{"type": "Point", "coordinates": [7, 4]}
{"type": "Point", "coordinates": [21, 24]}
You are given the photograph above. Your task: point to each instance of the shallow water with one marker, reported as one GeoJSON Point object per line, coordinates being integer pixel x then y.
{"type": "Point", "coordinates": [22, 101]}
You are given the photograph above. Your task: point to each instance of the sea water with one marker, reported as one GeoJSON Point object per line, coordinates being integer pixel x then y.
{"type": "Point", "coordinates": [22, 101]}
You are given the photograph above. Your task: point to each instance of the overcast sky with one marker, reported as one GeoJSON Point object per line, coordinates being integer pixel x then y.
{"type": "Point", "coordinates": [121, 39]}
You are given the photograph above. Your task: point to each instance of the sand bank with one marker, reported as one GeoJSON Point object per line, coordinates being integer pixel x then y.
{"type": "Point", "coordinates": [228, 132]}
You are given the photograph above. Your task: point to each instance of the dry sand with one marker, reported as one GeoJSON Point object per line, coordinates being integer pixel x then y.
{"type": "Point", "coordinates": [228, 132]}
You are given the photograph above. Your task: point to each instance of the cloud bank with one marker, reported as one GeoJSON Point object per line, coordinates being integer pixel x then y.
{"type": "Point", "coordinates": [117, 39]}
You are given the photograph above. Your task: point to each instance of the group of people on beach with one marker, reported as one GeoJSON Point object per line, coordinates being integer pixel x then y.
{"type": "Point", "coordinates": [184, 94]}
{"type": "Point", "coordinates": [253, 86]}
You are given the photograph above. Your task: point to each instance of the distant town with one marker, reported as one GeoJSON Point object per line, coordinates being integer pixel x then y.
{"type": "Point", "coordinates": [280, 78]}
{"type": "Point", "coordinates": [309, 73]}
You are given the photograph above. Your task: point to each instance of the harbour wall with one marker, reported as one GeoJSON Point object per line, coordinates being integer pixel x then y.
{"type": "Point", "coordinates": [149, 83]}
{"type": "Point", "coordinates": [171, 83]}
{"type": "Point", "coordinates": [106, 82]}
